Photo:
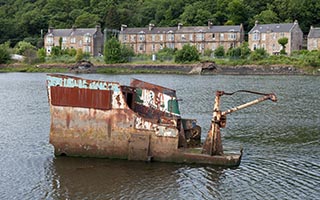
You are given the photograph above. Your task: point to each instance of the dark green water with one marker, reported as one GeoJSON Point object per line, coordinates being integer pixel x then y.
{"type": "Point", "coordinates": [281, 144]}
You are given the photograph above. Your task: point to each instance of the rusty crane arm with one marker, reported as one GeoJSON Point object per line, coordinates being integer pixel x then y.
{"type": "Point", "coordinates": [213, 144]}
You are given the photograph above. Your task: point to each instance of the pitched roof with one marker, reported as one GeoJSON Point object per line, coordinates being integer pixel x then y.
{"type": "Point", "coordinates": [314, 32]}
{"type": "Point", "coordinates": [263, 28]}
{"type": "Point", "coordinates": [183, 29]}
{"type": "Point", "coordinates": [72, 32]}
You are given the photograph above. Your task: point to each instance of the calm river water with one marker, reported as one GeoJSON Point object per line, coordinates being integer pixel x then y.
{"type": "Point", "coordinates": [281, 144]}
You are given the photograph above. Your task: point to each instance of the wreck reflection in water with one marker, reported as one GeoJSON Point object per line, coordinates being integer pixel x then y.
{"type": "Point", "coordinates": [281, 146]}
{"type": "Point", "coordinates": [75, 178]}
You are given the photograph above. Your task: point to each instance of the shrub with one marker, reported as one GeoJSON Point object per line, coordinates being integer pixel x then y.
{"type": "Point", "coordinates": [79, 55]}
{"type": "Point", "coordinates": [112, 51]}
{"type": "Point", "coordinates": [23, 46]}
{"type": "Point", "coordinates": [258, 54]}
{"type": "Point", "coordinates": [219, 52]}
{"type": "Point", "coordinates": [208, 52]}
{"type": "Point", "coordinates": [41, 54]}
{"type": "Point", "coordinates": [4, 54]}
{"type": "Point", "coordinates": [234, 52]}
{"type": "Point", "coordinates": [188, 53]}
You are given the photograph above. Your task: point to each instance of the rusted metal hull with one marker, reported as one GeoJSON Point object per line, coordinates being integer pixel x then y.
{"type": "Point", "coordinates": [107, 120]}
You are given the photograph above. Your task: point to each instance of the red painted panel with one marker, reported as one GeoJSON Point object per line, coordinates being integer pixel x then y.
{"type": "Point", "coordinates": [80, 97]}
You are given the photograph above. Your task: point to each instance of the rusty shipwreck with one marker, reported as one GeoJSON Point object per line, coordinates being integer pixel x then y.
{"type": "Point", "coordinates": [142, 121]}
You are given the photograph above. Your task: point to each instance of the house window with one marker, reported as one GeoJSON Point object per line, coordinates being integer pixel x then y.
{"type": "Point", "coordinates": [171, 37]}
{"type": "Point", "coordinates": [80, 43]}
{"type": "Point", "coordinates": [255, 46]}
{"type": "Point", "coordinates": [232, 36]}
{"type": "Point", "coordinates": [273, 47]}
{"type": "Point", "coordinates": [213, 47]}
{"type": "Point", "coordinates": [73, 40]}
{"type": "Point", "coordinates": [153, 47]}
{"type": "Point", "coordinates": [274, 35]}
{"type": "Point", "coordinates": [315, 43]}
{"type": "Point", "coordinates": [161, 37]}
{"type": "Point", "coordinates": [50, 40]}
{"type": "Point", "coordinates": [190, 37]}
{"type": "Point", "coordinates": [282, 34]}
{"type": "Point", "coordinates": [256, 35]}
{"type": "Point", "coordinates": [153, 37]}
{"type": "Point", "coordinates": [124, 38]}
{"type": "Point", "coordinates": [87, 49]}
{"type": "Point", "coordinates": [171, 45]}
{"type": "Point", "coordinates": [183, 37]}
{"type": "Point", "coordinates": [133, 38]}
{"type": "Point", "coordinates": [200, 36]}
{"type": "Point", "coordinates": [161, 46]}
{"type": "Point", "coordinates": [263, 36]}
{"type": "Point", "coordinates": [213, 36]}
{"type": "Point", "coordinates": [141, 47]}
{"type": "Point", "coordinates": [221, 36]}
{"type": "Point", "coordinates": [141, 37]}
{"type": "Point", "coordinates": [64, 39]}
{"type": "Point", "coordinates": [87, 38]}
{"type": "Point", "coordinates": [200, 47]}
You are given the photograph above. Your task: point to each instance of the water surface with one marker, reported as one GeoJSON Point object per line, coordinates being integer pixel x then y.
{"type": "Point", "coordinates": [281, 144]}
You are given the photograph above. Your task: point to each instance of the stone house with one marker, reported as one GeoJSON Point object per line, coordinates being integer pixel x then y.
{"type": "Point", "coordinates": [314, 39]}
{"type": "Point", "coordinates": [266, 36]}
{"type": "Point", "coordinates": [90, 40]}
{"type": "Point", "coordinates": [151, 39]}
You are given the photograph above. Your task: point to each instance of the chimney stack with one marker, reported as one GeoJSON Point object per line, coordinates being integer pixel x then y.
{"type": "Point", "coordinates": [210, 24]}
{"type": "Point", "coordinates": [123, 27]}
{"type": "Point", "coordinates": [151, 27]}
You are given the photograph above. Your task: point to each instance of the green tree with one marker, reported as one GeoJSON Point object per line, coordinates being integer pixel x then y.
{"type": "Point", "coordinates": [112, 51]}
{"type": "Point", "coordinates": [283, 41]}
{"type": "Point", "coordinates": [219, 52]}
{"type": "Point", "coordinates": [4, 54]}
{"type": "Point", "coordinates": [188, 53]}
{"type": "Point", "coordinates": [86, 20]}
{"type": "Point", "coordinates": [23, 46]}
{"type": "Point", "coordinates": [258, 54]}
{"type": "Point", "coordinates": [79, 55]}
{"type": "Point", "coordinates": [41, 54]}
{"type": "Point", "coordinates": [266, 17]}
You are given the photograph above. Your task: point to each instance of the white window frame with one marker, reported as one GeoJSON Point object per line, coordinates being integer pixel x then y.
{"type": "Point", "coordinates": [256, 35]}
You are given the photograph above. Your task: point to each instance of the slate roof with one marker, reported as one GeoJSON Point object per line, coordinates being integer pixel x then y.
{"type": "Point", "coordinates": [263, 28]}
{"type": "Point", "coordinates": [183, 29]}
{"type": "Point", "coordinates": [73, 32]}
{"type": "Point", "coordinates": [314, 33]}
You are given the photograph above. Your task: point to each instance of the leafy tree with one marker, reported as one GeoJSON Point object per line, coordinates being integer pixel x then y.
{"type": "Point", "coordinates": [23, 46]}
{"type": "Point", "coordinates": [245, 50]}
{"type": "Point", "coordinates": [126, 53]}
{"type": "Point", "coordinates": [55, 51]}
{"type": "Point", "coordinates": [219, 52]}
{"type": "Point", "coordinates": [79, 55]}
{"type": "Point", "coordinates": [41, 54]}
{"type": "Point", "coordinates": [234, 52]}
{"type": "Point", "coordinates": [87, 20]}
{"type": "Point", "coordinates": [112, 51]}
{"type": "Point", "coordinates": [283, 41]}
{"type": "Point", "coordinates": [188, 53]}
{"type": "Point", "coordinates": [258, 54]}
{"type": "Point", "coordinates": [266, 17]}
{"type": "Point", "coordinates": [4, 54]}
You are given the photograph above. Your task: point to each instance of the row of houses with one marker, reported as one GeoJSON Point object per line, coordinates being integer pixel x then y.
{"type": "Point", "coordinates": [151, 39]}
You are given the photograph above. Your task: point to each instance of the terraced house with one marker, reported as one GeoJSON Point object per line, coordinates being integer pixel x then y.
{"type": "Point", "coordinates": [151, 39]}
{"type": "Point", "coordinates": [266, 36]}
{"type": "Point", "coordinates": [90, 40]}
{"type": "Point", "coordinates": [314, 38]}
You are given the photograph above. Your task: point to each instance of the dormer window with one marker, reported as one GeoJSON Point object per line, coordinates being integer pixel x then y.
{"type": "Point", "coordinates": [142, 36]}
{"type": "Point", "coordinates": [87, 38]}
{"type": "Point", "coordinates": [256, 35]}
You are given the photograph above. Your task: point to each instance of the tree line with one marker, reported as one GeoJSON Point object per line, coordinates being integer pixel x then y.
{"type": "Point", "coordinates": [23, 20]}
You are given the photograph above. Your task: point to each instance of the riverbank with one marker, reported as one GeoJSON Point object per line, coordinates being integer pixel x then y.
{"type": "Point", "coordinates": [207, 68]}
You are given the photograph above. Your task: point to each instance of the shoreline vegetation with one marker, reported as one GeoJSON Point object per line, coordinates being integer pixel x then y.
{"type": "Point", "coordinates": [203, 68]}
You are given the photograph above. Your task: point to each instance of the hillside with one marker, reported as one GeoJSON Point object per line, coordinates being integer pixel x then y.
{"type": "Point", "coordinates": [24, 19]}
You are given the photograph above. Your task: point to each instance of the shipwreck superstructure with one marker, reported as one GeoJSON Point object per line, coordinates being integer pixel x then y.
{"type": "Point", "coordinates": [138, 122]}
